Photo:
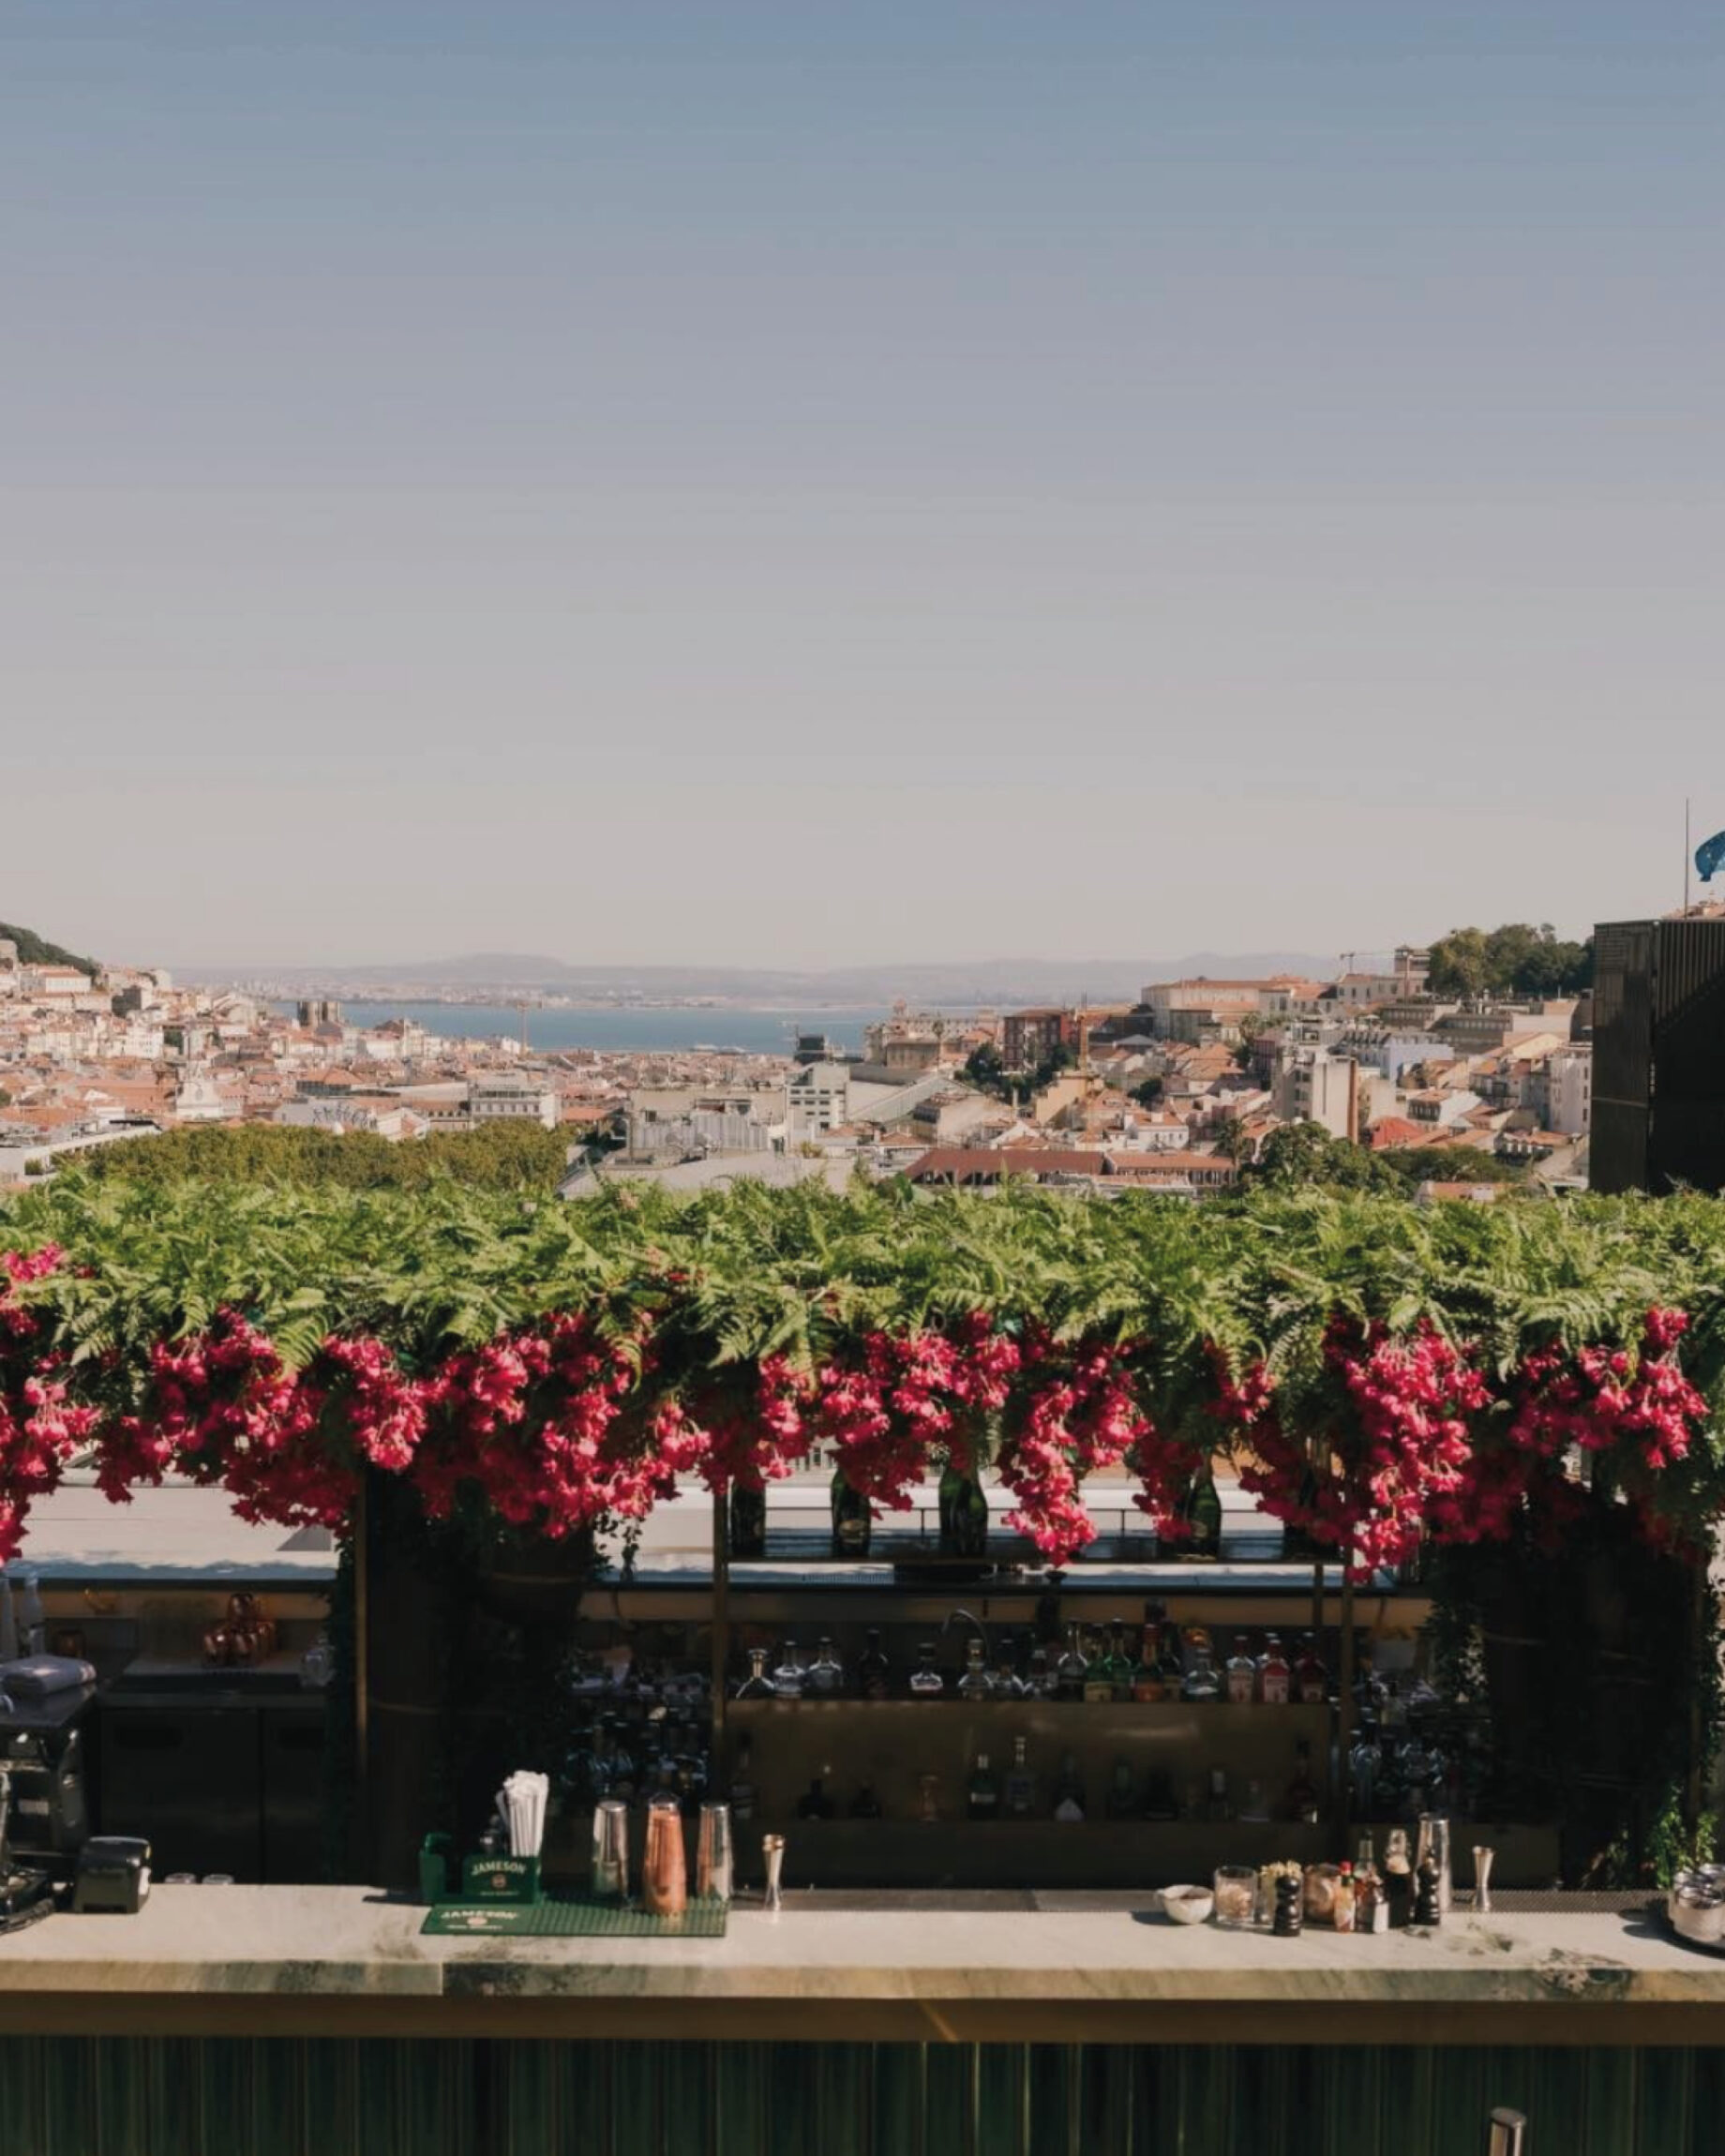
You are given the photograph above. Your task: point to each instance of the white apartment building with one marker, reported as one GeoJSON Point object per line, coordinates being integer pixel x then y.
{"type": "Point", "coordinates": [1312, 1086]}
{"type": "Point", "coordinates": [507, 1097]}
{"type": "Point", "coordinates": [1569, 1090]}
{"type": "Point", "coordinates": [817, 1099]}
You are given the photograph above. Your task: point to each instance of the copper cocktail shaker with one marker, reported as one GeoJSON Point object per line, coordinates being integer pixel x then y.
{"type": "Point", "coordinates": [665, 1885]}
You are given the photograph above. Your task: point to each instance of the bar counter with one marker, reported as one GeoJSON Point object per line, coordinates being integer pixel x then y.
{"type": "Point", "coordinates": [344, 1961]}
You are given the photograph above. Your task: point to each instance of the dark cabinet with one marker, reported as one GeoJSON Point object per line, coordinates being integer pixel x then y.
{"type": "Point", "coordinates": [229, 1786]}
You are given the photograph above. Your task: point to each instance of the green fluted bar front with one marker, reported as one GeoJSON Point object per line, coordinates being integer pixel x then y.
{"type": "Point", "coordinates": [271, 2096]}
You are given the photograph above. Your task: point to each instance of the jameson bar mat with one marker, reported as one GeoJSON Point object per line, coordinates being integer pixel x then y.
{"type": "Point", "coordinates": [574, 1919]}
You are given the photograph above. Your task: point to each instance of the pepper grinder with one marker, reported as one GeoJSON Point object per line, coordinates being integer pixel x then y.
{"type": "Point", "coordinates": [1287, 1921]}
{"type": "Point", "coordinates": [1483, 1878]}
{"type": "Point", "coordinates": [772, 1853]}
{"type": "Point", "coordinates": [1428, 1893]}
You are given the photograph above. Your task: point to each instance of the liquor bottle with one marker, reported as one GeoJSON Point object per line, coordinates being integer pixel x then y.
{"type": "Point", "coordinates": [747, 1521]}
{"type": "Point", "coordinates": [1122, 1803]}
{"type": "Point", "coordinates": [1311, 1678]}
{"type": "Point", "coordinates": [1098, 1676]}
{"type": "Point", "coordinates": [1201, 1510]}
{"type": "Point", "coordinates": [742, 1785]}
{"type": "Point", "coordinates": [825, 1676]}
{"type": "Point", "coordinates": [1120, 1661]}
{"type": "Point", "coordinates": [927, 1683]}
{"type": "Point", "coordinates": [1148, 1684]}
{"type": "Point", "coordinates": [1275, 1678]}
{"type": "Point", "coordinates": [1344, 1905]}
{"type": "Point", "coordinates": [1020, 1786]}
{"type": "Point", "coordinates": [865, 1805]}
{"type": "Point", "coordinates": [1040, 1683]}
{"type": "Point", "coordinates": [814, 1803]}
{"type": "Point", "coordinates": [757, 1685]}
{"type": "Point", "coordinates": [1254, 1805]}
{"type": "Point", "coordinates": [1073, 1669]}
{"type": "Point", "coordinates": [787, 1679]}
{"type": "Point", "coordinates": [1069, 1792]}
{"type": "Point", "coordinates": [976, 1684]}
{"type": "Point", "coordinates": [964, 1515]}
{"type": "Point", "coordinates": [1242, 1673]}
{"type": "Point", "coordinates": [1219, 1806]}
{"type": "Point", "coordinates": [874, 1671]}
{"type": "Point", "coordinates": [1007, 1684]}
{"type": "Point", "coordinates": [1300, 1804]}
{"type": "Point", "coordinates": [1169, 1661]}
{"type": "Point", "coordinates": [1200, 1683]}
{"type": "Point", "coordinates": [1398, 1879]}
{"type": "Point", "coordinates": [982, 1795]}
{"type": "Point", "coordinates": [853, 1521]}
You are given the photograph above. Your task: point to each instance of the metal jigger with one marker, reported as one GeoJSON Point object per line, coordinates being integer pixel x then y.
{"type": "Point", "coordinates": [1483, 1878]}
{"type": "Point", "coordinates": [772, 1853]}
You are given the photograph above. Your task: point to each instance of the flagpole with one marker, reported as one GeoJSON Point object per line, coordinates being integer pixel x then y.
{"type": "Point", "coordinates": [1687, 857]}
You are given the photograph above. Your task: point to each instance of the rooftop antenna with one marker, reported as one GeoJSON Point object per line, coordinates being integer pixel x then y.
{"type": "Point", "coordinates": [1687, 857]}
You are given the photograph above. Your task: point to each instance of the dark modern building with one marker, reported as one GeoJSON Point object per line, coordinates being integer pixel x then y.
{"type": "Point", "coordinates": [1659, 1052]}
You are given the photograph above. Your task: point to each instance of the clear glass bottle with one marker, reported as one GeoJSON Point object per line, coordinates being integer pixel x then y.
{"type": "Point", "coordinates": [757, 1685]}
{"type": "Point", "coordinates": [789, 1677]}
{"type": "Point", "coordinates": [1020, 1786]}
{"type": "Point", "coordinates": [1007, 1682]}
{"type": "Point", "coordinates": [982, 1796]}
{"type": "Point", "coordinates": [1242, 1673]}
{"type": "Point", "coordinates": [874, 1671]}
{"type": "Point", "coordinates": [1219, 1803]}
{"type": "Point", "coordinates": [1069, 1792]}
{"type": "Point", "coordinates": [1275, 1679]}
{"type": "Point", "coordinates": [1073, 1669]}
{"type": "Point", "coordinates": [927, 1683]}
{"type": "Point", "coordinates": [1040, 1683]}
{"type": "Point", "coordinates": [742, 1785]}
{"type": "Point", "coordinates": [825, 1676]}
{"type": "Point", "coordinates": [976, 1684]}
{"type": "Point", "coordinates": [1200, 1683]}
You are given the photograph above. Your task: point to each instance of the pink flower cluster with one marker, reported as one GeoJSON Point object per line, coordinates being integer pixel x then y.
{"type": "Point", "coordinates": [40, 1427]}
{"type": "Point", "coordinates": [1078, 1413]}
{"type": "Point", "coordinates": [1399, 1441]}
{"type": "Point", "coordinates": [909, 1400]}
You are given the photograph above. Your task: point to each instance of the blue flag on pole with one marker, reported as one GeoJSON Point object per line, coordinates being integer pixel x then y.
{"type": "Point", "coordinates": [1710, 856]}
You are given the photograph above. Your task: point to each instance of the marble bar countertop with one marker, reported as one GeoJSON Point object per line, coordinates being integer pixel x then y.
{"type": "Point", "coordinates": [345, 1960]}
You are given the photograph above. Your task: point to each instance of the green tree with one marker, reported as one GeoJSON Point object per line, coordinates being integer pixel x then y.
{"type": "Point", "coordinates": [509, 1158]}
{"type": "Point", "coordinates": [1304, 1153]}
{"type": "Point", "coordinates": [985, 1071]}
{"type": "Point", "coordinates": [1147, 1092]}
{"type": "Point", "coordinates": [1461, 963]}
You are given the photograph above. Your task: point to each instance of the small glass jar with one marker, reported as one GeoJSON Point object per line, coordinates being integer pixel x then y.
{"type": "Point", "coordinates": [1236, 1889]}
{"type": "Point", "coordinates": [1322, 1884]}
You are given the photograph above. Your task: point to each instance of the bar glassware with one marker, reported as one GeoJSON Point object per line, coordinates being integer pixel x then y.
{"type": "Point", "coordinates": [1236, 1889]}
{"type": "Point", "coordinates": [772, 1855]}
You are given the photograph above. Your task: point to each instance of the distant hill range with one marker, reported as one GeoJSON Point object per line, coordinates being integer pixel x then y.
{"type": "Point", "coordinates": [995, 980]}
{"type": "Point", "coordinates": [35, 949]}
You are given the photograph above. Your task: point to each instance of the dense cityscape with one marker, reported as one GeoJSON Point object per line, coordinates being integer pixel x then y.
{"type": "Point", "coordinates": [1460, 1069]}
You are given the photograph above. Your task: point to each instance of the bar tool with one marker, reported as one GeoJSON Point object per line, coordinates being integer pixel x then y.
{"type": "Point", "coordinates": [665, 1884]}
{"type": "Point", "coordinates": [772, 1853]}
{"type": "Point", "coordinates": [610, 1853]}
{"type": "Point", "coordinates": [1435, 1842]}
{"type": "Point", "coordinates": [1483, 1878]}
{"type": "Point", "coordinates": [715, 1863]}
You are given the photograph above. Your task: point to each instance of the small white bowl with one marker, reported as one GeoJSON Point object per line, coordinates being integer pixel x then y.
{"type": "Point", "coordinates": [1187, 1904]}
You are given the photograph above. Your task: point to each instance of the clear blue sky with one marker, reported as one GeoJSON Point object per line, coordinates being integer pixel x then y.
{"type": "Point", "coordinates": [797, 481]}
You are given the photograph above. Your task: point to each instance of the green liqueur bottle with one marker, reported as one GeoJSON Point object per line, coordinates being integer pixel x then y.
{"type": "Point", "coordinates": [1202, 1513]}
{"type": "Point", "coordinates": [1020, 1790]}
{"type": "Point", "coordinates": [852, 1521]}
{"type": "Point", "coordinates": [748, 1521]}
{"type": "Point", "coordinates": [1098, 1676]}
{"type": "Point", "coordinates": [983, 1798]}
{"type": "Point", "coordinates": [964, 1515]}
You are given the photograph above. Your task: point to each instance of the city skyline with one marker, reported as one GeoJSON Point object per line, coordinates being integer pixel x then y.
{"type": "Point", "coordinates": [824, 487]}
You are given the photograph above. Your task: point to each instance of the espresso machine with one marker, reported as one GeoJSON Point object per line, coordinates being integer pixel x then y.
{"type": "Point", "coordinates": [44, 1798]}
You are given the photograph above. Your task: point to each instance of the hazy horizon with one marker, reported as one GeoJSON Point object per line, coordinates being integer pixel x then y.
{"type": "Point", "coordinates": [767, 484]}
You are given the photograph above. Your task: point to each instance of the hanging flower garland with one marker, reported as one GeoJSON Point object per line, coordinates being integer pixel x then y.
{"type": "Point", "coordinates": [40, 1427]}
